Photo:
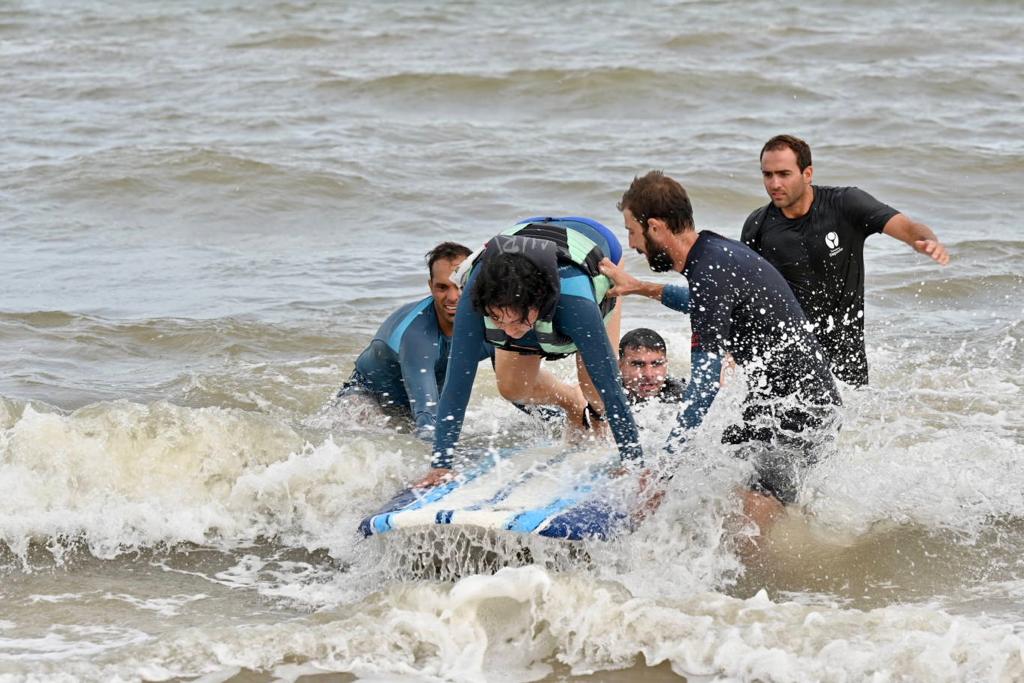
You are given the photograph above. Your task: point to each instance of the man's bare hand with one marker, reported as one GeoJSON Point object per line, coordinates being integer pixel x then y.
{"type": "Point", "coordinates": [438, 475]}
{"type": "Point", "coordinates": [933, 248]}
{"type": "Point", "coordinates": [625, 284]}
{"type": "Point", "coordinates": [649, 498]}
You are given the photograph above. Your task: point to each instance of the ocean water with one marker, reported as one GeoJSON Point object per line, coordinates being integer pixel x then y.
{"type": "Point", "coordinates": [206, 209]}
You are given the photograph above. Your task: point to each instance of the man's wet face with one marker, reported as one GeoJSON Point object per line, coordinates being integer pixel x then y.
{"type": "Point", "coordinates": [658, 258]}
{"type": "Point", "coordinates": [446, 294]}
{"type": "Point", "coordinates": [643, 372]}
{"type": "Point", "coordinates": [783, 180]}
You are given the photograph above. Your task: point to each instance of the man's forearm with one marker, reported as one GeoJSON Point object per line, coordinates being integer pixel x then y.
{"type": "Point", "coordinates": [906, 230]}
{"type": "Point", "coordinates": [651, 290]}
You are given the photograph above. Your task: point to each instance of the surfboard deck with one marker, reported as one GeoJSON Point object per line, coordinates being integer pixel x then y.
{"type": "Point", "coordinates": [568, 495]}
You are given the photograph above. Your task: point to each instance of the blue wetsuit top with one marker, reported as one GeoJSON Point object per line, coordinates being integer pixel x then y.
{"type": "Point", "coordinates": [578, 317]}
{"type": "Point", "coordinates": [742, 305]}
{"type": "Point", "coordinates": [406, 362]}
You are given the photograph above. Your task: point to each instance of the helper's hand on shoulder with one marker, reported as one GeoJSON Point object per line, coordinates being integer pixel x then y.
{"type": "Point", "coordinates": [624, 283]}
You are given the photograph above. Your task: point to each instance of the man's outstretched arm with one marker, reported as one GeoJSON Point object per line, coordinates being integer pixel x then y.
{"type": "Point", "coordinates": [919, 236]}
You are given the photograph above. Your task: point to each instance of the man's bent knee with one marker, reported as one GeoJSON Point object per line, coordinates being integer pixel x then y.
{"type": "Point", "coordinates": [515, 390]}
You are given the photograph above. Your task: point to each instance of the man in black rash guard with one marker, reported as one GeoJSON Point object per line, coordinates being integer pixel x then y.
{"type": "Point", "coordinates": [815, 236]}
{"type": "Point", "coordinates": [535, 291]}
{"type": "Point", "coordinates": [740, 305]}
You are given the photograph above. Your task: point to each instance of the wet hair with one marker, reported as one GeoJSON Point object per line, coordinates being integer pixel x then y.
{"type": "Point", "coordinates": [446, 251]}
{"type": "Point", "coordinates": [511, 281]}
{"type": "Point", "coordinates": [800, 148]}
{"type": "Point", "coordinates": [655, 195]}
{"type": "Point", "coordinates": [641, 338]}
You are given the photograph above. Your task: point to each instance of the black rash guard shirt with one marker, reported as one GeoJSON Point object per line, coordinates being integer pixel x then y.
{"type": "Point", "coordinates": [741, 305]}
{"type": "Point", "coordinates": [821, 256]}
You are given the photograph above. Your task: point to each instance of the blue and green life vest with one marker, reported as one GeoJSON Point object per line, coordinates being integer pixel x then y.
{"type": "Point", "coordinates": [549, 243]}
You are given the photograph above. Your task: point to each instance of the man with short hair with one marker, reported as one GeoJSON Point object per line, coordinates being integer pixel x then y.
{"type": "Point", "coordinates": [404, 367]}
{"type": "Point", "coordinates": [815, 236]}
{"type": "Point", "coordinates": [738, 305]}
{"type": "Point", "coordinates": [643, 362]}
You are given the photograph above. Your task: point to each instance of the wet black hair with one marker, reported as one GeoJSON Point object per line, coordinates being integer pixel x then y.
{"type": "Point", "coordinates": [641, 338]}
{"type": "Point", "coordinates": [511, 281]}
{"type": "Point", "coordinates": [446, 251]}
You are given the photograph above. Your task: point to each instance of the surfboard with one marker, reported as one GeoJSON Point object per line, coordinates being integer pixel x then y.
{"type": "Point", "coordinates": [551, 492]}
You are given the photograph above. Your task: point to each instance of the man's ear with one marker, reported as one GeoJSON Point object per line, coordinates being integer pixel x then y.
{"type": "Point", "coordinates": [809, 174]}
{"type": "Point", "coordinates": [657, 224]}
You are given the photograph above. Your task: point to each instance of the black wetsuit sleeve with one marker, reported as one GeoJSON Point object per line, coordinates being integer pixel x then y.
{"type": "Point", "coordinates": [711, 321]}
{"type": "Point", "coordinates": [467, 342]}
{"type": "Point", "coordinates": [580, 319]}
{"type": "Point", "coordinates": [700, 393]}
{"type": "Point", "coordinates": [865, 212]}
{"type": "Point", "coordinates": [418, 354]}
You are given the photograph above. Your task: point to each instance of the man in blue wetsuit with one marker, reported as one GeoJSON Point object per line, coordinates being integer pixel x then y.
{"type": "Point", "coordinates": [739, 305]}
{"type": "Point", "coordinates": [535, 292]}
{"type": "Point", "coordinates": [815, 236]}
{"type": "Point", "coordinates": [404, 366]}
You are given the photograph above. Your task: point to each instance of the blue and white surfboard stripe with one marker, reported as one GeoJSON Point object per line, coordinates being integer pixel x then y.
{"type": "Point", "coordinates": [411, 500]}
{"type": "Point", "coordinates": [524, 495]}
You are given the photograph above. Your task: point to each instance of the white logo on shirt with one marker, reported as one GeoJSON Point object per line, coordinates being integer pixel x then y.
{"type": "Point", "coordinates": [832, 242]}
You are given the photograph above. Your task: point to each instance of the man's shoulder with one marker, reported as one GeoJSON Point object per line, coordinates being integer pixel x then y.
{"type": "Point", "coordinates": [710, 239]}
{"type": "Point", "coordinates": [853, 207]}
{"type": "Point", "coordinates": [836, 196]}
{"type": "Point", "coordinates": [715, 248]}
{"type": "Point", "coordinates": [417, 317]}
{"type": "Point", "coordinates": [705, 259]}
{"type": "Point", "coordinates": [756, 218]}
{"type": "Point", "coordinates": [416, 310]}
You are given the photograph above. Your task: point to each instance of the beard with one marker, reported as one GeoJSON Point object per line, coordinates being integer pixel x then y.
{"type": "Point", "coordinates": [657, 257]}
